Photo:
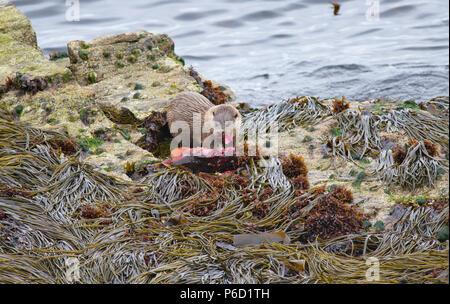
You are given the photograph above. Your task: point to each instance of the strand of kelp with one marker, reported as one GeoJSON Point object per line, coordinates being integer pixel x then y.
{"type": "Point", "coordinates": [25, 156]}
{"type": "Point", "coordinates": [417, 125]}
{"type": "Point", "coordinates": [441, 103]}
{"type": "Point", "coordinates": [196, 258]}
{"type": "Point", "coordinates": [406, 253]}
{"type": "Point", "coordinates": [34, 246]}
{"type": "Point", "coordinates": [360, 129]}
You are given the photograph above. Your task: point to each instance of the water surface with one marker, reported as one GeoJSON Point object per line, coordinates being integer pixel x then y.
{"type": "Point", "coordinates": [271, 50]}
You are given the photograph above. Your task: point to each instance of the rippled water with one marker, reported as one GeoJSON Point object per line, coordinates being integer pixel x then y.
{"type": "Point", "coordinates": [271, 50]}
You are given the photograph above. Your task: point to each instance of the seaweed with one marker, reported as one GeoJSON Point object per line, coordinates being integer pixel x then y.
{"type": "Point", "coordinates": [442, 234]}
{"type": "Point", "coordinates": [12, 191]}
{"type": "Point", "coordinates": [411, 167]}
{"type": "Point", "coordinates": [58, 55]}
{"type": "Point", "coordinates": [359, 132]}
{"type": "Point", "coordinates": [203, 205]}
{"type": "Point", "coordinates": [66, 146]}
{"type": "Point", "coordinates": [359, 179]}
{"type": "Point", "coordinates": [342, 195]}
{"type": "Point", "coordinates": [120, 116]}
{"type": "Point", "coordinates": [91, 77]}
{"type": "Point", "coordinates": [287, 114]}
{"type": "Point", "coordinates": [26, 83]}
{"type": "Point", "coordinates": [214, 94]}
{"type": "Point", "coordinates": [330, 218]}
{"type": "Point", "coordinates": [18, 110]}
{"type": "Point", "coordinates": [83, 54]}
{"type": "Point", "coordinates": [157, 135]}
{"type": "Point", "coordinates": [95, 212]}
{"type": "Point", "coordinates": [209, 164]}
{"type": "Point", "coordinates": [294, 166]}
{"type": "Point", "coordinates": [171, 225]}
{"type": "Point", "coordinates": [417, 125]}
{"type": "Point", "coordinates": [432, 148]}
{"type": "Point", "coordinates": [339, 105]}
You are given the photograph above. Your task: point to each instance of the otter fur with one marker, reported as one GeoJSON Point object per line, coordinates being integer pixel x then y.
{"type": "Point", "coordinates": [185, 105]}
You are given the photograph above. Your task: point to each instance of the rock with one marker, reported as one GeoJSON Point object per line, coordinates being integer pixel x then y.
{"type": "Point", "coordinates": [138, 71]}
{"type": "Point", "coordinates": [16, 25]}
{"type": "Point", "coordinates": [442, 234]}
{"type": "Point", "coordinates": [17, 57]}
{"type": "Point", "coordinates": [19, 52]}
{"type": "Point", "coordinates": [108, 55]}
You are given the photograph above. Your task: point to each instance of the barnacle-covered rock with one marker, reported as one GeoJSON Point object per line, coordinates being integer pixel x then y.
{"type": "Point", "coordinates": [15, 24]}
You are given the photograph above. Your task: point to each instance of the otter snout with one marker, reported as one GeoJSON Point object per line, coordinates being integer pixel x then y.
{"type": "Point", "coordinates": [226, 120]}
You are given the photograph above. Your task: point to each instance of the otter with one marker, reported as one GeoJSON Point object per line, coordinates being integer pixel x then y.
{"type": "Point", "coordinates": [185, 105]}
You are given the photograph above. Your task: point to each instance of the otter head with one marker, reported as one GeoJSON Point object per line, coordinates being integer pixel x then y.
{"type": "Point", "coordinates": [221, 117]}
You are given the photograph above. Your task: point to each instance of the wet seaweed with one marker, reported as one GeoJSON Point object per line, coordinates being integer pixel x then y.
{"type": "Point", "coordinates": [157, 230]}
{"type": "Point", "coordinates": [25, 83]}
{"type": "Point", "coordinates": [417, 125]}
{"type": "Point", "coordinates": [339, 105]}
{"type": "Point", "coordinates": [156, 132]}
{"type": "Point", "coordinates": [214, 93]}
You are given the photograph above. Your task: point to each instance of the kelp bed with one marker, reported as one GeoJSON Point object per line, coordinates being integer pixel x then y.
{"type": "Point", "coordinates": [174, 226]}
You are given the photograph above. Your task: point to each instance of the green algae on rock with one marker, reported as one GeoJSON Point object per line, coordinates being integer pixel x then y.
{"type": "Point", "coordinates": [144, 221]}
{"type": "Point", "coordinates": [15, 24]}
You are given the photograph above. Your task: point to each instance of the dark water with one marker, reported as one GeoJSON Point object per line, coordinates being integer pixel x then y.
{"type": "Point", "coordinates": [270, 50]}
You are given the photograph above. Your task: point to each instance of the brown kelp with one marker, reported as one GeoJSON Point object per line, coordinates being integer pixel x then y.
{"type": "Point", "coordinates": [287, 114]}
{"type": "Point", "coordinates": [360, 135]}
{"type": "Point", "coordinates": [409, 167]}
{"type": "Point", "coordinates": [417, 125]}
{"type": "Point", "coordinates": [171, 225]}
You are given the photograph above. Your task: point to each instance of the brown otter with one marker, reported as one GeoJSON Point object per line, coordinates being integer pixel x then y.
{"type": "Point", "coordinates": [196, 110]}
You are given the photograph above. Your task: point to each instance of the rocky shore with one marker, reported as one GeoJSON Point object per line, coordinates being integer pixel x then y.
{"type": "Point", "coordinates": [99, 112]}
